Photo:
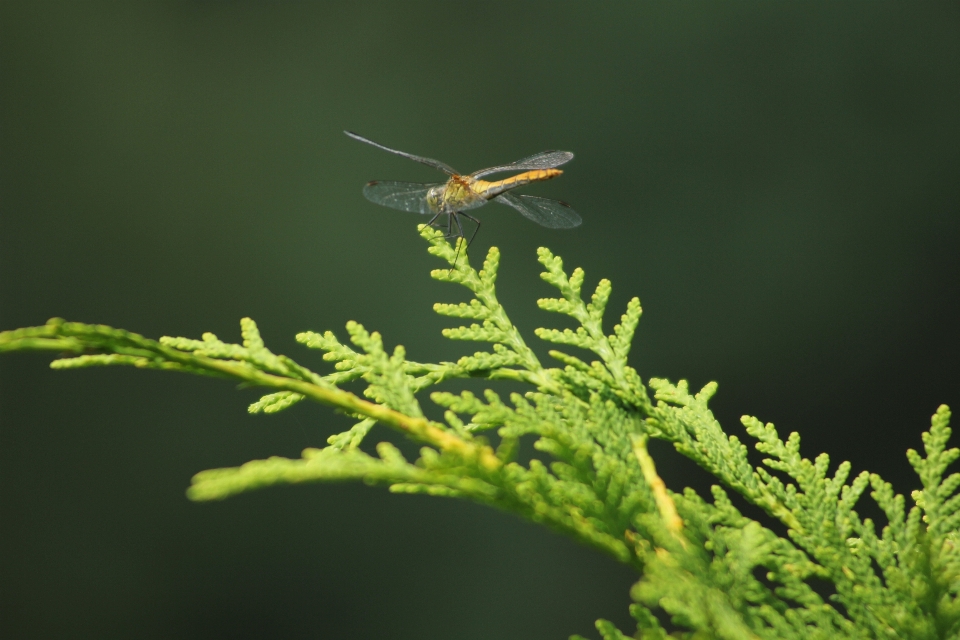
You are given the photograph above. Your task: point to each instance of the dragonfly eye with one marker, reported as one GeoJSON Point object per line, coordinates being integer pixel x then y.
{"type": "Point", "coordinates": [434, 197]}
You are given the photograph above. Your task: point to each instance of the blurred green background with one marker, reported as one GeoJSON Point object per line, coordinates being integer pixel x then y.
{"type": "Point", "coordinates": [778, 182]}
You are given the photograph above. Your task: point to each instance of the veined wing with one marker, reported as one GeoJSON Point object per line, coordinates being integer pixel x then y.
{"type": "Point", "coordinates": [405, 196]}
{"type": "Point", "coordinates": [547, 213]}
{"type": "Point", "coordinates": [430, 162]}
{"type": "Point", "coordinates": [542, 160]}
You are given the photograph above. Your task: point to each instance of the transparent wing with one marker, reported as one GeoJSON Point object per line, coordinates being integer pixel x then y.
{"type": "Point", "coordinates": [405, 196]}
{"type": "Point", "coordinates": [542, 160]}
{"type": "Point", "coordinates": [430, 162]}
{"type": "Point", "coordinates": [548, 213]}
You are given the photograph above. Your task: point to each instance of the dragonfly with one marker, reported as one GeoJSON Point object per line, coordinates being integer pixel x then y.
{"type": "Point", "coordinates": [462, 193]}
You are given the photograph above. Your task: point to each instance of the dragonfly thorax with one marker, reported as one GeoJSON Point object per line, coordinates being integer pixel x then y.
{"type": "Point", "coordinates": [457, 194]}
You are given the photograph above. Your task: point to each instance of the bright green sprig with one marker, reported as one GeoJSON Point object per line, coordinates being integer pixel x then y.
{"type": "Point", "coordinates": [274, 402]}
{"type": "Point", "coordinates": [331, 465]}
{"type": "Point", "coordinates": [934, 549]}
{"type": "Point", "coordinates": [823, 507]}
{"type": "Point", "coordinates": [247, 364]}
{"type": "Point", "coordinates": [603, 485]}
{"type": "Point", "coordinates": [352, 365]}
{"type": "Point", "coordinates": [685, 420]}
{"type": "Point", "coordinates": [937, 498]}
{"type": "Point", "coordinates": [388, 385]}
{"type": "Point", "coordinates": [712, 570]}
{"type": "Point", "coordinates": [613, 373]}
{"type": "Point", "coordinates": [819, 510]}
{"type": "Point", "coordinates": [352, 437]}
{"type": "Point", "coordinates": [511, 359]}
{"type": "Point", "coordinates": [252, 351]}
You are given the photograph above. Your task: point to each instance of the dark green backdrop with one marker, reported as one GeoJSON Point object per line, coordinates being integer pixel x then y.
{"type": "Point", "coordinates": [778, 182]}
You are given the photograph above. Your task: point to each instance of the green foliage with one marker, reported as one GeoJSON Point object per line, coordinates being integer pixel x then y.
{"type": "Point", "coordinates": [710, 570]}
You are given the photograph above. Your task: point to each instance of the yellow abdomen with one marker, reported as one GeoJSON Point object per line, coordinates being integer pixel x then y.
{"type": "Point", "coordinates": [492, 189]}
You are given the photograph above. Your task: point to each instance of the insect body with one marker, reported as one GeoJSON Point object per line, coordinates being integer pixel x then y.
{"type": "Point", "coordinates": [461, 193]}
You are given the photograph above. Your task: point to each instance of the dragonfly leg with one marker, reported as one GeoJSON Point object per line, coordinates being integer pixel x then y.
{"type": "Point", "coordinates": [456, 216]}
{"type": "Point", "coordinates": [434, 219]}
{"type": "Point", "coordinates": [474, 235]}
{"type": "Point", "coordinates": [433, 223]}
{"type": "Point", "coordinates": [451, 218]}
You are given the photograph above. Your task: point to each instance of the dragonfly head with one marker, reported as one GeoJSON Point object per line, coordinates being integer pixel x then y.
{"type": "Point", "coordinates": [435, 197]}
